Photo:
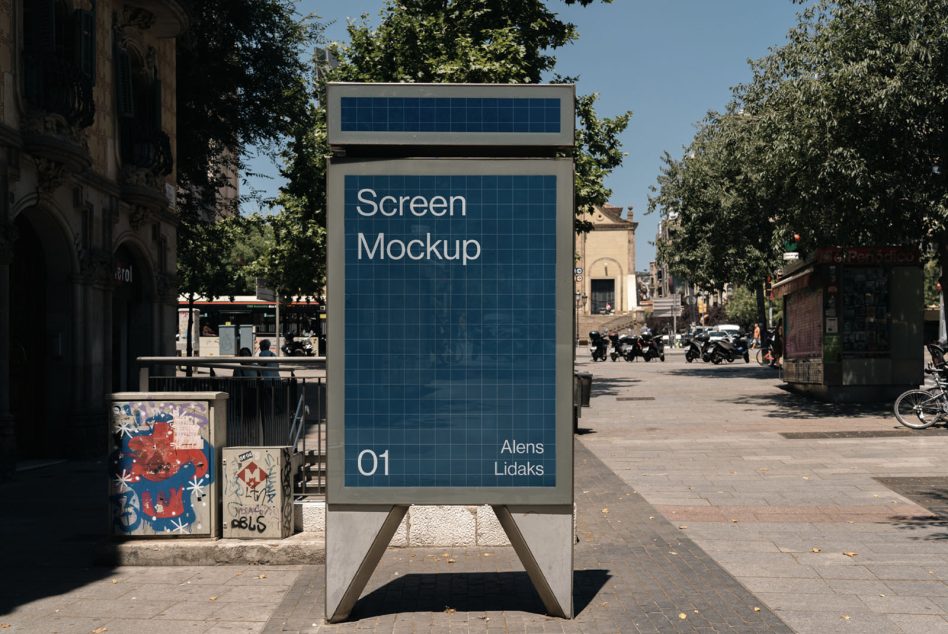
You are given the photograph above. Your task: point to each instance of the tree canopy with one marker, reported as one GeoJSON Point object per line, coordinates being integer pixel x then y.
{"type": "Point", "coordinates": [839, 137]}
{"type": "Point", "coordinates": [496, 41]}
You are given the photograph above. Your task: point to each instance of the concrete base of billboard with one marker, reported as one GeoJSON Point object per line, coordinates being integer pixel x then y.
{"type": "Point", "coordinates": [356, 538]}
{"type": "Point", "coordinates": [543, 540]}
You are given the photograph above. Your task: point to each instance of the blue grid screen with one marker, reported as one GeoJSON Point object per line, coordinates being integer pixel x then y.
{"type": "Point", "coordinates": [454, 114]}
{"type": "Point", "coordinates": [450, 330]}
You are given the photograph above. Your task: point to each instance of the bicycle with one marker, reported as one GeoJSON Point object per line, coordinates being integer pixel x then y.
{"type": "Point", "coordinates": [764, 356]}
{"type": "Point", "coordinates": [921, 408]}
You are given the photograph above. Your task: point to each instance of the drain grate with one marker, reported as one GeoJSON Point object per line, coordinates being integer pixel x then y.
{"type": "Point", "coordinates": [635, 398]}
{"type": "Point", "coordinates": [882, 433]}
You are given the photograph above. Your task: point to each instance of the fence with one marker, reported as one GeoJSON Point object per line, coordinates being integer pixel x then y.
{"type": "Point", "coordinates": [260, 412]}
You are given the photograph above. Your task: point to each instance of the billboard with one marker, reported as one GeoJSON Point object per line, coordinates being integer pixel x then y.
{"type": "Point", "coordinates": [450, 342]}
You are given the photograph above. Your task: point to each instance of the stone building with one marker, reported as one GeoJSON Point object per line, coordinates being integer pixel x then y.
{"type": "Point", "coordinates": [606, 256]}
{"type": "Point", "coordinates": [87, 229]}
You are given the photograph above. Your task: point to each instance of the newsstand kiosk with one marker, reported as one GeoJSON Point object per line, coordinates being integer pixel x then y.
{"type": "Point", "coordinates": [853, 323]}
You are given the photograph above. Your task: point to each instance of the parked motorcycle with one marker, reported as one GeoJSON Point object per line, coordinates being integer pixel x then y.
{"type": "Point", "coordinates": [650, 346]}
{"type": "Point", "coordinates": [298, 348]}
{"type": "Point", "coordinates": [697, 348]}
{"type": "Point", "coordinates": [624, 347]}
{"type": "Point", "coordinates": [728, 350]}
{"type": "Point", "coordinates": [598, 346]}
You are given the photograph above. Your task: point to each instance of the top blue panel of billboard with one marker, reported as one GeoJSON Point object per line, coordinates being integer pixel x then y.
{"type": "Point", "coordinates": [451, 115]}
{"type": "Point", "coordinates": [460, 114]}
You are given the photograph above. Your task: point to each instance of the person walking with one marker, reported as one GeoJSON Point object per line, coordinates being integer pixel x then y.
{"type": "Point", "coordinates": [756, 342]}
{"type": "Point", "coordinates": [776, 345]}
{"type": "Point", "coordinates": [272, 372]}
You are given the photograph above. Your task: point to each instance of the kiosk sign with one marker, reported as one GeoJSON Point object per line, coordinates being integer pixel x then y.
{"type": "Point", "coordinates": [451, 331]}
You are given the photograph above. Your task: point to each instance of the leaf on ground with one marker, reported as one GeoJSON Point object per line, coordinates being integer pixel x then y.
{"type": "Point", "coordinates": [114, 580]}
{"type": "Point", "coordinates": [845, 617]}
{"type": "Point", "coordinates": [212, 598]}
{"type": "Point", "coordinates": [672, 552]}
{"type": "Point", "coordinates": [605, 510]}
{"type": "Point", "coordinates": [733, 521]}
{"type": "Point", "coordinates": [451, 561]}
{"type": "Point", "coordinates": [849, 553]}
{"type": "Point", "coordinates": [756, 609]}
{"type": "Point", "coordinates": [99, 630]}
{"type": "Point", "coordinates": [682, 616]}
{"type": "Point", "coordinates": [816, 549]}
{"type": "Point", "coordinates": [683, 527]}
{"type": "Point", "coordinates": [449, 610]}
{"type": "Point", "coordinates": [5, 626]}
{"type": "Point", "coordinates": [651, 517]}
{"type": "Point", "coordinates": [261, 576]}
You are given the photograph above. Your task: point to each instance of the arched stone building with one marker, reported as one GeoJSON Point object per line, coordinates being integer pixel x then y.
{"type": "Point", "coordinates": [87, 229]}
{"type": "Point", "coordinates": [605, 258]}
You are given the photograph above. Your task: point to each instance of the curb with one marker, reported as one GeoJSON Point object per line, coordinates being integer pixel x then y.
{"type": "Point", "coordinates": [302, 548]}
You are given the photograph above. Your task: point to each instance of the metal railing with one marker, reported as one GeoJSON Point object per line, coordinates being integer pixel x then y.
{"type": "Point", "coordinates": [281, 409]}
{"type": "Point", "coordinates": [57, 86]}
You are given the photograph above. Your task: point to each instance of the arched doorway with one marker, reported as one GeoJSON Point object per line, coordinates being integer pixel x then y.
{"type": "Point", "coordinates": [41, 319]}
{"type": "Point", "coordinates": [132, 317]}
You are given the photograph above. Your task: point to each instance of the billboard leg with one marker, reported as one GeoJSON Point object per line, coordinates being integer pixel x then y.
{"type": "Point", "coordinates": [355, 542]}
{"type": "Point", "coordinates": [543, 539]}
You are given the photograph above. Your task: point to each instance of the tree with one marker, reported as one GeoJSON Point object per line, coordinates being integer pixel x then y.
{"type": "Point", "coordinates": [852, 114]}
{"type": "Point", "coordinates": [240, 82]}
{"type": "Point", "coordinates": [500, 41]}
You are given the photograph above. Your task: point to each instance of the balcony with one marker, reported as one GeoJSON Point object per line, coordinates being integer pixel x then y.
{"type": "Point", "coordinates": [146, 160]}
{"type": "Point", "coordinates": [60, 106]}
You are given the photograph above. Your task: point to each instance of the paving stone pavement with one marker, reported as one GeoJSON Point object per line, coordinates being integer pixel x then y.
{"type": "Point", "coordinates": [802, 522]}
{"type": "Point", "coordinates": [635, 572]}
{"type": "Point", "coordinates": [709, 508]}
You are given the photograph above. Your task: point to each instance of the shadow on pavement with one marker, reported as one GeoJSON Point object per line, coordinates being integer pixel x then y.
{"type": "Point", "coordinates": [929, 492]}
{"type": "Point", "coordinates": [471, 592]}
{"type": "Point", "coordinates": [57, 517]}
{"type": "Point", "coordinates": [610, 386]}
{"type": "Point", "coordinates": [790, 405]}
{"type": "Point", "coordinates": [736, 370]}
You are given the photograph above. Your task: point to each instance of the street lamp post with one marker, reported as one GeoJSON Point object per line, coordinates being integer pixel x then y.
{"type": "Point", "coordinates": [580, 302]}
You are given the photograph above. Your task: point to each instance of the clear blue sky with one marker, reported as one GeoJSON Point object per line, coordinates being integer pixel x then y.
{"type": "Point", "coordinates": [669, 61]}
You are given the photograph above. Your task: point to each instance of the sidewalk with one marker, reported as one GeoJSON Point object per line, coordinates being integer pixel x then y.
{"type": "Point", "coordinates": [809, 505]}
{"type": "Point", "coordinates": [690, 502]}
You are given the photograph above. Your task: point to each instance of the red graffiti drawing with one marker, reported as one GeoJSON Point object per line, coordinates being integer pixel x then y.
{"type": "Point", "coordinates": [169, 504]}
{"type": "Point", "coordinates": [156, 458]}
{"type": "Point", "coordinates": [252, 475]}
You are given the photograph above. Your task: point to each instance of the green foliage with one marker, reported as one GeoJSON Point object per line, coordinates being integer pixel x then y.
{"type": "Point", "coordinates": [840, 137]}
{"type": "Point", "coordinates": [931, 272]}
{"type": "Point", "coordinates": [741, 307]}
{"type": "Point", "coordinates": [495, 41]}
{"type": "Point", "coordinates": [240, 82]}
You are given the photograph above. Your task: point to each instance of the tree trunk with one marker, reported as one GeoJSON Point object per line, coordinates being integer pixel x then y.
{"type": "Point", "coordinates": [943, 278]}
{"type": "Point", "coordinates": [190, 340]}
{"type": "Point", "coordinates": [762, 311]}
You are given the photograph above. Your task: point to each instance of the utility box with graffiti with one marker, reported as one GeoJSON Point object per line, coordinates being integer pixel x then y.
{"type": "Point", "coordinates": [164, 463]}
{"type": "Point", "coordinates": [257, 493]}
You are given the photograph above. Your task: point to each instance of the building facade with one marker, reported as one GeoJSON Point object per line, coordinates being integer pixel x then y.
{"type": "Point", "coordinates": [87, 225]}
{"type": "Point", "coordinates": [605, 264]}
